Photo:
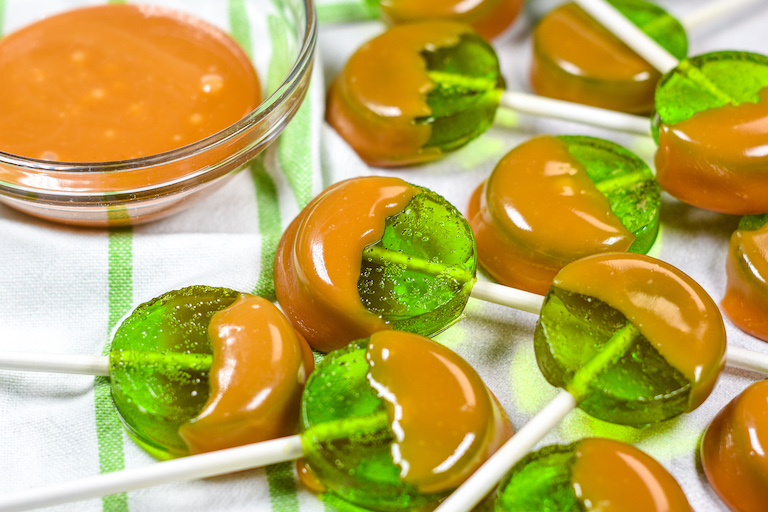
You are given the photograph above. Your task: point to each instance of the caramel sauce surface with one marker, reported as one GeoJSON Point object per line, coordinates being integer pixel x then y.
{"type": "Point", "coordinates": [610, 476]}
{"type": "Point", "coordinates": [716, 159]}
{"type": "Point", "coordinates": [746, 296]}
{"type": "Point", "coordinates": [116, 82]}
{"type": "Point", "coordinates": [260, 366]}
{"type": "Point", "coordinates": [446, 421]}
{"type": "Point", "coordinates": [320, 255]}
{"type": "Point", "coordinates": [733, 451]}
{"type": "Point", "coordinates": [538, 211]}
{"type": "Point", "coordinates": [671, 310]}
{"type": "Point", "coordinates": [576, 59]}
{"type": "Point", "coordinates": [383, 88]}
{"type": "Point", "coordinates": [488, 17]}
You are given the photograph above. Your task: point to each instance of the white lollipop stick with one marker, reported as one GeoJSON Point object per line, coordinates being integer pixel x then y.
{"type": "Point", "coordinates": [55, 363]}
{"type": "Point", "coordinates": [608, 16]}
{"type": "Point", "coordinates": [575, 112]}
{"type": "Point", "coordinates": [477, 486]}
{"type": "Point", "coordinates": [715, 10]}
{"type": "Point", "coordinates": [189, 468]}
{"type": "Point", "coordinates": [507, 296]}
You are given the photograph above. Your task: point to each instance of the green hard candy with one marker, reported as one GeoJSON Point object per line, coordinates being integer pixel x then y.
{"type": "Point", "coordinates": [541, 481]}
{"type": "Point", "coordinates": [590, 349]}
{"type": "Point", "coordinates": [709, 81]}
{"type": "Point", "coordinates": [159, 363]}
{"type": "Point", "coordinates": [419, 275]}
{"type": "Point", "coordinates": [626, 181]}
{"type": "Point", "coordinates": [753, 222]}
{"type": "Point", "coordinates": [347, 435]}
{"type": "Point", "coordinates": [467, 87]}
{"type": "Point", "coordinates": [657, 23]}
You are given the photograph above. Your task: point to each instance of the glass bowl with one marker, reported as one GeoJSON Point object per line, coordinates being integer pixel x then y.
{"type": "Point", "coordinates": [143, 189]}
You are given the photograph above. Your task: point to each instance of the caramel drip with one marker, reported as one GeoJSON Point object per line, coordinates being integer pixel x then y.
{"type": "Point", "coordinates": [733, 451]}
{"type": "Point", "coordinates": [445, 420]}
{"type": "Point", "coordinates": [260, 365]}
{"type": "Point", "coordinates": [489, 18]}
{"type": "Point", "coordinates": [610, 476]}
{"type": "Point", "coordinates": [538, 211]}
{"type": "Point", "coordinates": [119, 81]}
{"type": "Point", "coordinates": [671, 310]}
{"type": "Point", "coordinates": [383, 88]}
{"type": "Point", "coordinates": [717, 159]}
{"type": "Point", "coordinates": [577, 59]}
{"type": "Point", "coordinates": [746, 297]}
{"type": "Point", "coordinates": [319, 258]}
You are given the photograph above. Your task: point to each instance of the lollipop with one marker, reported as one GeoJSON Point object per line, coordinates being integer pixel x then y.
{"type": "Point", "coordinates": [709, 122]}
{"type": "Point", "coordinates": [590, 474]}
{"type": "Point", "coordinates": [488, 18]}
{"type": "Point", "coordinates": [733, 451]}
{"type": "Point", "coordinates": [394, 422]}
{"type": "Point", "coordinates": [422, 89]}
{"type": "Point", "coordinates": [631, 339]}
{"type": "Point", "coordinates": [200, 369]}
{"type": "Point", "coordinates": [553, 200]}
{"type": "Point", "coordinates": [746, 297]}
{"type": "Point", "coordinates": [576, 59]}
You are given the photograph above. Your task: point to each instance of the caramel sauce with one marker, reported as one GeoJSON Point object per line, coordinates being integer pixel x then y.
{"type": "Point", "coordinates": [445, 420]}
{"type": "Point", "coordinates": [733, 451]}
{"type": "Point", "coordinates": [318, 261]}
{"type": "Point", "coordinates": [717, 160]}
{"type": "Point", "coordinates": [610, 476]}
{"type": "Point", "coordinates": [260, 366]}
{"type": "Point", "coordinates": [672, 311]}
{"type": "Point", "coordinates": [538, 211]}
{"type": "Point", "coordinates": [576, 59]}
{"type": "Point", "coordinates": [115, 82]}
{"type": "Point", "coordinates": [746, 297]}
{"type": "Point", "coordinates": [383, 88]}
{"type": "Point", "coordinates": [489, 18]}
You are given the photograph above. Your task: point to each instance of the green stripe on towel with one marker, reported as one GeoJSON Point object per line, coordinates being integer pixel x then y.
{"type": "Point", "coordinates": [109, 431]}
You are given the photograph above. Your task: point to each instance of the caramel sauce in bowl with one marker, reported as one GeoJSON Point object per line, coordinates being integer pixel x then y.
{"type": "Point", "coordinates": [95, 175]}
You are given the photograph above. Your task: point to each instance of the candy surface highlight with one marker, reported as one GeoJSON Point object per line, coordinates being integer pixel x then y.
{"type": "Point", "coordinates": [635, 340]}
{"type": "Point", "coordinates": [591, 474]}
{"type": "Point", "coordinates": [711, 125]}
{"type": "Point", "coordinates": [189, 374]}
{"type": "Point", "coordinates": [488, 18]}
{"type": "Point", "coordinates": [414, 92]}
{"type": "Point", "coordinates": [407, 421]}
{"type": "Point", "coordinates": [733, 451]}
{"type": "Point", "coordinates": [408, 264]}
{"type": "Point", "coordinates": [553, 200]}
{"type": "Point", "coordinates": [577, 59]}
{"type": "Point", "coordinates": [746, 296]}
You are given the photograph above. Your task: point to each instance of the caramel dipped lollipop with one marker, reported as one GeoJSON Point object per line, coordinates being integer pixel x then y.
{"type": "Point", "coordinates": [577, 59]}
{"type": "Point", "coordinates": [423, 89]}
{"type": "Point", "coordinates": [733, 451]}
{"type": "Point", "coordinates": [710, 121]}
{"type": "Point", "coordinates": [630, 339]}
{"type": "Point", "coordinates": [370, 432]}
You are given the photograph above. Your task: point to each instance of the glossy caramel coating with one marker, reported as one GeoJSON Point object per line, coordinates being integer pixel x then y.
{"type": "Point", "coordinates": [733, 451]}
{"type": "Point", "coordinates": [610, 476]}
{"type": "Point", "coordinates": [446, 421]}
{"type": "Point", "coordinates": [674, 313]}
{"type": "Point", "coordinates": [488, 18]}
{"type": "Point", "coordinates": [382, 90]}
{"type": "Point", "coordinates": [576, 59]}
{"type": "Point", "coordinates": [318, 261]}
{"type": "Point", "coordinates": [538, 211]}
{"type": "Point", "coordinates": [746, 296]}
{"type": "Point", "coordinates": [716, 158]}
{"type": "Point", "coordinates": [260, 365]}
